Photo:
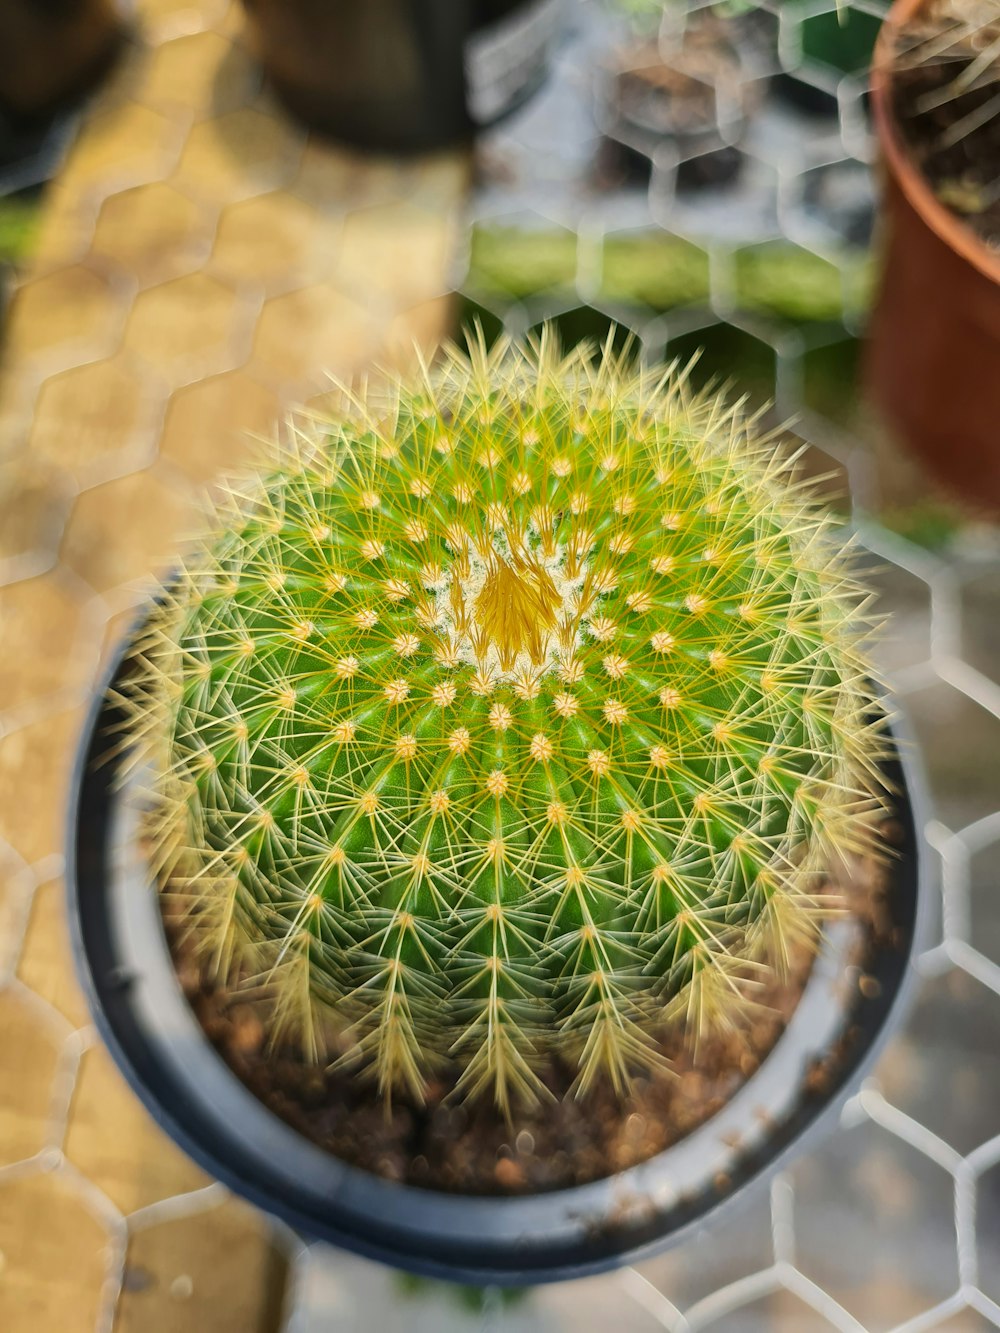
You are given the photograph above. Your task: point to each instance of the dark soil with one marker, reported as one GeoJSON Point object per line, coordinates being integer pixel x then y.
{"type": "Point", "coordinates": [956, 144]}
{"type": "Point", "coordinates": [471, 1149]}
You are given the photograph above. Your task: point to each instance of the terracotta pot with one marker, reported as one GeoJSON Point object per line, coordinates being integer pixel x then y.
{"type": "Point", "coordinates": [53, 51]}
{"type": "Point", "coordinates": [934, 352]}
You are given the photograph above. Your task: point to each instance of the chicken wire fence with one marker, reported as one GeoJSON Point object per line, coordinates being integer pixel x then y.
{"type": "Point", "coordinates": [747, 241]}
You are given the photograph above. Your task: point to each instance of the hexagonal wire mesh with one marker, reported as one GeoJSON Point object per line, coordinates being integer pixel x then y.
{"type": "Point", "coordinates": [743, 233]}
{"type": "Point", "coordinates": [744, 236]}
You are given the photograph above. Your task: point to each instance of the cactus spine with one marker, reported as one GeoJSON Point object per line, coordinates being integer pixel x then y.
{"type": "Point", "coordinates": [519, 716]}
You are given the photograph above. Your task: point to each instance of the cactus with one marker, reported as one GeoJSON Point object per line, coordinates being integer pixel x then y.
{"type": "Point", "coordinates": [519, 718]}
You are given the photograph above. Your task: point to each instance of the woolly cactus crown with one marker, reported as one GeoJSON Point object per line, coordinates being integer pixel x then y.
{"type": "Point", "coordinates": [519, 717]}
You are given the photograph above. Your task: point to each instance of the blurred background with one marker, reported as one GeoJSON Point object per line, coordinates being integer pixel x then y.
{"type": "Point", "coordinates": [182, 262]}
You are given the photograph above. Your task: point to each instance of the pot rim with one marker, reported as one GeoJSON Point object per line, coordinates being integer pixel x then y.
{"type": "Point", "coordinates": [506, 1240]}
{"type": "Point", "coordinates": [921, 198]}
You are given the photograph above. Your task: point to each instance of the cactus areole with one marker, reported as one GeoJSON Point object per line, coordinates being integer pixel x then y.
{"type": "Point", "coordinates": [521, 717]}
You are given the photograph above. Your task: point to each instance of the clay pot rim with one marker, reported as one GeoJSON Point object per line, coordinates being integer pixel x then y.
{"type": "Point", "coordinates": [950, 229]}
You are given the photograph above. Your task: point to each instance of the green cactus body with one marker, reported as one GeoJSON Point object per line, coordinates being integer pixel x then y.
{"type": "Point", "coordinates": [517, 719]}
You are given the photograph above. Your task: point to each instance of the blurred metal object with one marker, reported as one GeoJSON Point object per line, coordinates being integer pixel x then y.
{"type": "Point", "coordinates": [402, 75]}
{"type": "Point", "coordinates": [52, 52]}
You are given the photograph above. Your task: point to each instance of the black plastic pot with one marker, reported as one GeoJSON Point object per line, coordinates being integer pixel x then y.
{"type": "Point", "coordinates": [53, 52]}
{"type": "Point", "coordinates": [31, 151]}
{"type": "Point", "coordinates": [402, 75]}
{"type": "Point", "coordinates": [153, 1035]}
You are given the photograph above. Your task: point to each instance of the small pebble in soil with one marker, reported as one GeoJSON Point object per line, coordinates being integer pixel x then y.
{"type": "Point", "coordinates": [248, 1031]}
{"type": "Point", "coordinates": [433, 1093]}
{"type": "Point", "coordinates": [817, 1080]}
{"type": "Point", "coordinates": [389, 1168]}
{"type": "Point", "coordinates": [525, 1142]}
{"type": "Point", "coordinates": [314, 1090]}
{"type": "Point", "coordinates": [508, 1173]}
{"type": "Point", "coordinates": [870, 987]}
{"type": "Point", "coordinates": [419, 1167]}
{"type": "Point", "coordinates": [189, 975]}
{"type": "Point", "coordinates": [692, 1084]}
{"type": "Point", "coordinates": [635, 1123]}
{"type": "Point", "coordinates": [892, 832]}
